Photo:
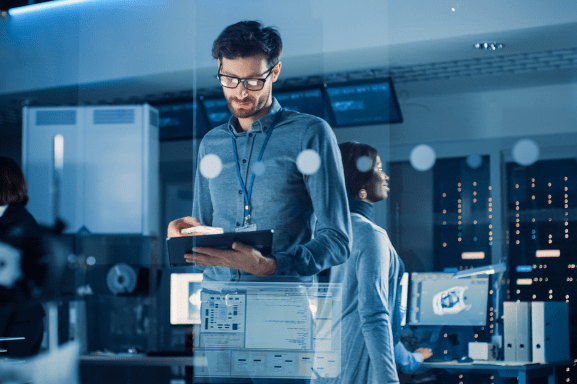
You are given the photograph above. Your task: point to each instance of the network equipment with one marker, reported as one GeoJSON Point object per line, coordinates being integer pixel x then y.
{"type": "Point", "coordinates": [260, 330]}
{"type": "Point", "coordinates": [438, 299]}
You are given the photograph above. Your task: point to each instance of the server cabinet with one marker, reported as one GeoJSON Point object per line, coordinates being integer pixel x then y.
{"type": "Point", "coordinates": [94, 167]}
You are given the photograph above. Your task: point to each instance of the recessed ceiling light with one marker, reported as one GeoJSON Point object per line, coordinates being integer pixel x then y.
{"type": "Point", "coordinates": [489, 46]}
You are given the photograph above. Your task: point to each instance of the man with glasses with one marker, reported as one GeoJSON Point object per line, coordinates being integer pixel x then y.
{"type": "Point", "coordinates": [261, 184]}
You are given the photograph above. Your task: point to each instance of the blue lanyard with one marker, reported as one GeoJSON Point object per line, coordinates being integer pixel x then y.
{"type": "Point", "coordinates": [248, 193]}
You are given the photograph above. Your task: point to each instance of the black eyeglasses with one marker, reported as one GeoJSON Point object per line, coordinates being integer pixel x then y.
{"type": "Point", "coordinates": [250, 84]}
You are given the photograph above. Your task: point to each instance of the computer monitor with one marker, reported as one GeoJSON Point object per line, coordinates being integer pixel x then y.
{"type": "Point", "coordinates": [439, 299]}
{"type": "Point", "coordinates": [260, 330]}
{"type": "Point", "coordinates": [362, 103]}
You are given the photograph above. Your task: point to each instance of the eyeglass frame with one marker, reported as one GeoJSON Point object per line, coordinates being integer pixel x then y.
{"type": "Point", "coordinates": [243, 81]}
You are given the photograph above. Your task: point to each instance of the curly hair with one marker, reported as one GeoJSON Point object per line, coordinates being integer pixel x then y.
{"type": "Point", "coordinates": [355, 178]}
{"type": "Point", "coordinates": [248, 38]}
{"type": "Point", "coordinates": [13, 187]}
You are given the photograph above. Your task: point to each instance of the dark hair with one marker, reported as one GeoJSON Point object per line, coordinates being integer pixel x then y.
{"type": "Point", "coordinates": [12, 184]}
{"type": "Point", "coordinates": [248, 38]}
{"type": "Point", "coordinates": [356, 179]}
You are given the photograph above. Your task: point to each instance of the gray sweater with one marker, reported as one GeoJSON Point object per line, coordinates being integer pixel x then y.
{"type": "Point", "coordinates": [369, 281]}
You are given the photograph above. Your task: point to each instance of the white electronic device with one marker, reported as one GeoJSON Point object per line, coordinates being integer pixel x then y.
{"type": "Point", "coordinates": [550, 324]}
{"type": "Point", "coordinates": [517, 330]}
{"type": "Point", "coordinates": [483, 351]}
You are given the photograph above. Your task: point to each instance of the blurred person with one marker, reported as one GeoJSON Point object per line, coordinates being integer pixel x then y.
{"type": "Point", "coordinates": [271, 192]}
{"type": "Point", "coordinates": [410, 362]}
{"type": "Point", "coordinates": [18, 233]}
{"type": "Point", "coordinates": [371, 313]}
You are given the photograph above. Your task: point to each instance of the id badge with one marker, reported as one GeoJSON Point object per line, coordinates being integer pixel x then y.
{"type": "Point", "coordinates": [247, 228]}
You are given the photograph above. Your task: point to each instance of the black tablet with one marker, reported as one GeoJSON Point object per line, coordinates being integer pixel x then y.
{"type": "Point", "coordinates": [178, 246]}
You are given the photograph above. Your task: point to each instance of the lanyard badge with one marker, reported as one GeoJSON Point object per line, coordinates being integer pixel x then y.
{"type": "Point", "coordinates": [247, 193]}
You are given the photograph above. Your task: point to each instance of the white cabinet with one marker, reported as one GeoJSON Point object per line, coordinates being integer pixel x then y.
{"type": "Point", "coordinates": [103, 177]}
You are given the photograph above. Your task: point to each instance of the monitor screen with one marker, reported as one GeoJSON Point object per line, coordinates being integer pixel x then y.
{"type": "Point", "coordinates": [260, 330]}
{"type": "Point", "coordinates": [364, 103]}
{"type": "Point", "coordinates": [216, 111]}
{"type": "Point", "coordinates": [303, 100]}
{"type": "Point", "coordinates": [177, 121]}
{"type": "Point", "coordinates": [439, 299]}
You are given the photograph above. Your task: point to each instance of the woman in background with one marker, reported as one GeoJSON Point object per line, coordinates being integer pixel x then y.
{"type": "Point", "coordinates": [371, 318]}
{"type": "Point", "coordinates": [17, 227]}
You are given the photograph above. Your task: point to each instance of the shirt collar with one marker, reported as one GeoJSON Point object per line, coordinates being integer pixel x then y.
{"type": "Point", "coordinates": [261, 125]}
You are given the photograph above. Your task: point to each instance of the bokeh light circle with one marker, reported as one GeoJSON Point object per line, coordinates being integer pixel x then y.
{"type": "Point", "coordinates": [210, 166]}
{"type": "Point", "coordinates": [525, 152]}
{"type": "Point", "coordinates": [259, 168]}
{"type": "Point", "coordinates": [474, 160]}
{"type": "Point", "coordinates": [364, 164]}
{"type": "Point", "coordinates": [423, 157]}
{"type": "Point", "coordinates": [308, 162]}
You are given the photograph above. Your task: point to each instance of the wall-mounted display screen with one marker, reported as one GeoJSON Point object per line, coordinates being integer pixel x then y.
{"type": "Point", "coordinates": [373, 102]}
{"type": "Point", "coordinates": [177, 121]}
{"type": "Point", "coordinates": [216, 110]}
{"type": "Point", "coordinates": [303, 100]}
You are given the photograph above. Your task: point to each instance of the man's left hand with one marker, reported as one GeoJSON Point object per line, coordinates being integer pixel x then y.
{"type": "Point", "coordinates": [242, 257]}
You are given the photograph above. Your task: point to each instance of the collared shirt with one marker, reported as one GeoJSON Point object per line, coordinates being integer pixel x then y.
{"type": "Point", "coordinates": [284, 199]}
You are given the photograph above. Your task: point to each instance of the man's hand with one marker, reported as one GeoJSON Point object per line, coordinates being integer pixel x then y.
{"type": "Point", "coordinates": [175, 227]}
{"type": "Point", "coordinates": [426, 352]}
{"type": "Point", "coordinates": [242, 257]}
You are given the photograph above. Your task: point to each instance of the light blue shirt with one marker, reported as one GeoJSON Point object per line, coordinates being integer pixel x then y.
{"type": "Point", "coordinates": [284, 199]}
{"type": "Point", "coordinates": [407, 362]}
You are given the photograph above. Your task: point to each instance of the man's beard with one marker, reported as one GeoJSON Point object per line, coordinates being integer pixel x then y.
{"type": "Point", "coordinates": [253, 107]}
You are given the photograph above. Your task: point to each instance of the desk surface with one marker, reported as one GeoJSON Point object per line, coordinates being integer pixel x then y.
{"type": "Point", "coordinates": [137, 359]}
{"type": "Point", "coordinates": [523, 370]}
{"type": "Point", "coordinates": [493, 365]}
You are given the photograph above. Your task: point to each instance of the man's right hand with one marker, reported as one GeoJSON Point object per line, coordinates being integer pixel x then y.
{"type": "Point", "coordinates": [176, 226]}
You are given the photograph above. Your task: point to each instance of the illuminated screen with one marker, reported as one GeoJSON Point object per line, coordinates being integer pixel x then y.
{"type": "Point", "coordinates": [365, 103]}
{"type": "Point", "coordinates": [176, 121]}
{"type": "Point", "coordinates": [308, 101]}
{"type": "Point", "coordinates": [260, 330]}
{"type": "Point", "coordinates": [217, 111]}
{"type": "Point", "coordinates": [439, 299]}
{"type": "Point", "coordinates": [404, 297]}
